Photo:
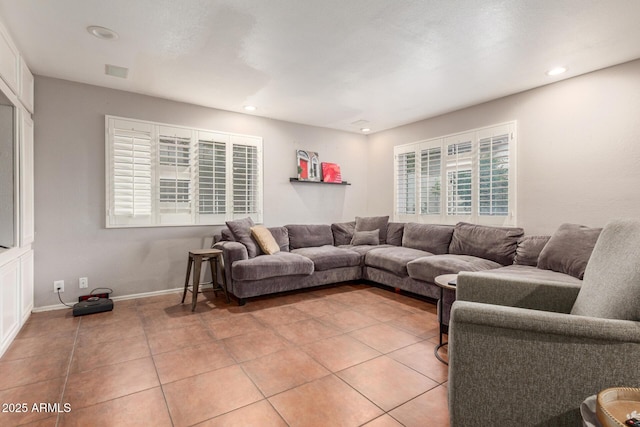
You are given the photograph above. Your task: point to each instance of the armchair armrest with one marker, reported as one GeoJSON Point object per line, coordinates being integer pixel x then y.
{"type": "Point", "coordinates": [516, 291]}
{"type": "Point", "coordinates": [514, 366]}
{"type": "Point", "coordinates": [231, 252]}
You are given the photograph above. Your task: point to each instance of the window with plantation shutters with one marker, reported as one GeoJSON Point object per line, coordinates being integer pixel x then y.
{"type": "Point", "coordinates": [161, 174]}
{"type": "Point", "coordinates": [468, 176]}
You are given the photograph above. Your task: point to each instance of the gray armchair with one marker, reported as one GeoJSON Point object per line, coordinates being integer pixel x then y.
{"type": "Point", "coordinates": [528, 353]}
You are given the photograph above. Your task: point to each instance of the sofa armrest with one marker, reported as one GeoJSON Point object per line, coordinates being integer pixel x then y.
{"type": "Point", "coordinates": [513, 366]}
{"type": "Point", "coordinates": [231, 252]}
{"type": "Point", "coordinates": [515, 291]}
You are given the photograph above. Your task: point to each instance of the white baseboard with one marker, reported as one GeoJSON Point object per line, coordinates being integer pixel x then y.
{"type": "Point", "coordinates": [121, 298]}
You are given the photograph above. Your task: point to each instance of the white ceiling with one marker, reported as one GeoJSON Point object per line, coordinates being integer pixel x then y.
{"type": "Point", "coordinates": [326, 63]}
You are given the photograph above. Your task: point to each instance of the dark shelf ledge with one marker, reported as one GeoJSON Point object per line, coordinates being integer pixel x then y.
{"type": "Point", "coordinates": [319, 182]}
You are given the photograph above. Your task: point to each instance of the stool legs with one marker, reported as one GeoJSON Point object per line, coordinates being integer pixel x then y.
{"type": "Point", "coordinates": [186, 280]}
{"type": "Point", "coordinates": [215, 264]}
{"type": "Point", "coordinates": [196, 280]}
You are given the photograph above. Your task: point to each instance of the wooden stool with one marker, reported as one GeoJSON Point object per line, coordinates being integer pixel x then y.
{"type": "Point", "coordinates": [197, 257]}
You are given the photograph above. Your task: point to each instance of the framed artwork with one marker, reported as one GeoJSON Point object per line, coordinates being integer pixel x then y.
{"type": "Point", "coordinates": [308, 164]}
{"type": "Point", "coordinates": [331, 172]}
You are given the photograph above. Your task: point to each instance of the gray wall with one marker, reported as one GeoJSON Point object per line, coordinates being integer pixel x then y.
{"type": "Point", "coordinates": [71, 240]}
{"type": "Point", "coordinates": [578, 148]}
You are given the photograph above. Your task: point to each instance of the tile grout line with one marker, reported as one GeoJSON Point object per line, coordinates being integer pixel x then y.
{"type": "Point", "coordinates": [155, 367]}
{"type": "Point", "coordinates": [66, 378]}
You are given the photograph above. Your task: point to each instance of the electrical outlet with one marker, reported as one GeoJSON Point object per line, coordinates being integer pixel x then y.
{"type": "Point", "coordinates": [58, 285]}
{"type": "Point", "coordinates": [84, 282]}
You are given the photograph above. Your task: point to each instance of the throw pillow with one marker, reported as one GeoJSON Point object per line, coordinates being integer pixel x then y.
{"type": "Point", "coordinates": [395, 231]}
{"type": "Point", "coordinates": [528, 250]}
{"type": "Point", "coordinates": [569, 249]}
{"type": "Point", "coordinates": [265, 239]}
{"type": "Point", "coordinates": [372, 223]}
{"type": "Point", "coordinates": [241, 230]}
{"type": "Point", "coordinates": [343, 232]}
{"type": "Point", "coordinates": [610, 288]}
{"type": "Point", "coordinates": [366, 238]}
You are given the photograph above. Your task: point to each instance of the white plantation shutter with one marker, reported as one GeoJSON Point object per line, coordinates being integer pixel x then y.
{"type": "Point", "coordinates": [171, 175]}
{"type": "Point", "coordinates": [493, 180]}
{"type": "Point", "coordinates": [405, 183]}
{"type": "Point", "coordinates": [130, 170]}
{"type": "Point", "coordinates": [430, 180]}
{"type": "Point", "coordinates": [212, 175]}
{"type": "Point", "coordinates": [459, 164]}
{"type": "Point", "coordinates": [247, 177]}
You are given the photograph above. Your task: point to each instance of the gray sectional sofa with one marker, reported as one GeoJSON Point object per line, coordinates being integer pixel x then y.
{"type": "Point", "coordinates": [404, 256]}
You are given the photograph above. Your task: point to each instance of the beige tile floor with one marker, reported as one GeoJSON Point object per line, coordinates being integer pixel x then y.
{"type": "Point", "coordinates": [349, 355]}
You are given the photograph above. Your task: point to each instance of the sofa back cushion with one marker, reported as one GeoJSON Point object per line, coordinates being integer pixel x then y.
{"type": "Point", "coordinates": [395, 231]}
{"type": "Point", "coordinates": [281, 234]}
{"type": "Point", "coordinates": [309, 235]}
{"type": "Point", "coordinates": [372, 223]}
{"type": "Point", "coordinates": [528, 250]}
{"type": "Point", "coordinates": [432, 238]}
{"type": "Point", "coordinates": [569, 249]}
{"type": "Point", "coordinates": [343, 232]}
{"type": "Point", "coordinates": [493, 243]}
{"type": "Point", "coordinates": [611, 285]}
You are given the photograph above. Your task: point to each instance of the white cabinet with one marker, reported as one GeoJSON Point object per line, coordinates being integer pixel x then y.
{"type": "Point", "coordinates": [26, 180]}
{"type": "Point", "coordinates": [9, 301]}
{"type": "Point", "coordinates": [26, 286]}
{"type": "Point", "coordinates": [9, 61]}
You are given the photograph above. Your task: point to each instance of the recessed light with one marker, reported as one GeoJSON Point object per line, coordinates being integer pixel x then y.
{"type": "Point", "coordinates": [365, 129]}
{"type": "Point", "coordinates": [556, 71]}
{"type": "Point", "coordinates": [102, 32]}
{"type": "Point", "coordinates": [250, 108]}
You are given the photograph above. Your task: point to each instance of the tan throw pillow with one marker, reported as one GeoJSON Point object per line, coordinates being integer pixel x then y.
{"type": "Point", "coordinates": [265, 239]}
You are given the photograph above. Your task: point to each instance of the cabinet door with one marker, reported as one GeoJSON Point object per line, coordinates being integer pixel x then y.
{"type": "Point", "coordinates": [9, 302]}
{"type": "Point", "coordinates": [26, 285]}
{"type": "Point", "coordinates": [26, 180]}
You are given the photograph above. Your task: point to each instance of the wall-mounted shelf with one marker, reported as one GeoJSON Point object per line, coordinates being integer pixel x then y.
{"type": "Point", "coordinates": [319, 182]}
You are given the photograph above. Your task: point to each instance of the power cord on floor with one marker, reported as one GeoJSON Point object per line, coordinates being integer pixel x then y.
{"type": "Point", "coordinates": [60, 298]}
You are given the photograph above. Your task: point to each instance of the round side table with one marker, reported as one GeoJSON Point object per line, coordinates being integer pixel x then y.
{"type": "Point", "coordinates": [444, 281]}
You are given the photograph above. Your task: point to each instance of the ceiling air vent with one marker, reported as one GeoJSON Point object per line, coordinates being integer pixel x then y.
{"type": "Point", "coordinates": [115, 71]}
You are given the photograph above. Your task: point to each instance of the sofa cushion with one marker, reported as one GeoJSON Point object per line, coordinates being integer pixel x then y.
{"type": "Point", "coordinates": [363, 249]}
{"type": "Point", "coordinates": [528, 250]}
{"type": "Point", "coordinates": [569, 249]}
{"type": "Point", "coordinates": [281, 234]}
{"type": "Point", "coordinates": [493, 243]}
{"type": "Point", "coordinates": [366, 237]}
{"type": "Point", "coordinates": [428, 268]}
{"type": "Point", "coordinates": [372, 223]}
{"type": "Point", "coordinates": [265, 239]}
{"type": "Point", "coordinates": [428, 237]}
{"type": "Point", "coordinates": [265, 266]}
{"type": "Point", "coordinates": [226, 235]}
{"type": "Point", "coordinates": [343, 232]}
{"type": "Point", "coordinates": [395, 230]}
{"type": "Point", "coordinates": [309, 235]}
{"type": "Point", "coordinates": [241, 230]}
{"type": "Point", "coordinates": [329, 257]}
{"type": "Point", "coordinates": [393, 259]}
{"type": "Point", "coordinates": [611, 286]}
